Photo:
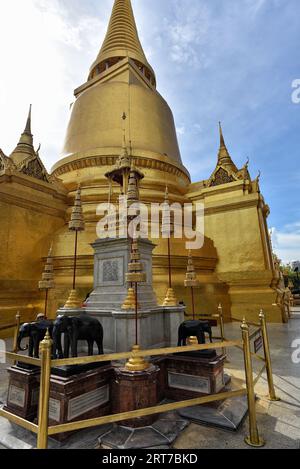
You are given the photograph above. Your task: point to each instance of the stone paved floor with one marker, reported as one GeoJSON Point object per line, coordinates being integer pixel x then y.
{"type": "Point", "coordinates": [278, 422]}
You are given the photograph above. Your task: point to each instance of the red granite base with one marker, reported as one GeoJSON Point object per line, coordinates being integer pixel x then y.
{"type": "Point", "coordinates": [133, 391]}
{"type": "Point", "coordinates": [23, 392]}
{"type": "Point", "coordinates": [79, 397]}
{"type": "Point", "coordinates": [191, 377]}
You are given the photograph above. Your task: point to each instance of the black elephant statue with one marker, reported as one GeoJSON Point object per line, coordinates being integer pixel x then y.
{"type": "Point", "coordinates": [36, 332]}
{"type": "Point", "coordinates": [206, 326]}
{"type": "Point", "coordinates": [76, 328]}
{"type": "Point", "coordinates": [194, 328]}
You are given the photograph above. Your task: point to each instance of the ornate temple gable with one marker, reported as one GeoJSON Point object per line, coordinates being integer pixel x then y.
{"type": "Point", "coordinates": [5, 163]}
{"type": "Point", "coordinates": [221, 176]}
{"type": "Point", "coordinates": [34, 167]}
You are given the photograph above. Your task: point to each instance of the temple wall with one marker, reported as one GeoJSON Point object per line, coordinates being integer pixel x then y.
{"type": "Point", "coordinates": [30, 213]}
{"type": "Point", "coordinates": [234, 219]}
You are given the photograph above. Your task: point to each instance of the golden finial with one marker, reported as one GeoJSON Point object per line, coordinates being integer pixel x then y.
{"type": "Point", "coordinates": [262, 314]}
{"type": "Point", "coordinates": [244, 325]}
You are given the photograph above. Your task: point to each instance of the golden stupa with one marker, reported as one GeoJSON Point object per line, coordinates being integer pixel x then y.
{"type": "Point", "coordinates": [234, 267]}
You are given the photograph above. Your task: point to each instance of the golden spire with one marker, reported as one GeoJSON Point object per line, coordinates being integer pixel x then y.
{"type": "Point", "coordinates": [224, 158]}
{"type": "Point", "coordinates": [25, 148]}
{"type": "Point", "coordinates": [122, 39]}
{"type": "Point", "coordinates": [28, 123]}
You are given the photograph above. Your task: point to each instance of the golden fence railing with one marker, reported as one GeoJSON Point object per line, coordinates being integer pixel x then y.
{"type": "Point", "coordinates": [16, 326]}
{"type": "Point", "coordinates": [43, 430]}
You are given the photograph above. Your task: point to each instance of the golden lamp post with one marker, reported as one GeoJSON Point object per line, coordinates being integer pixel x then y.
{"type": "Point", "coordinates": [47, 282]}
{"type": "Point", "coordinates": [134, 277]}
{"type": "Point", "coordinates": [191, 282]}
{"type": "Point", "coordinates": [167, 231]}
{"type": "Point", "coordinates": [76, 224]}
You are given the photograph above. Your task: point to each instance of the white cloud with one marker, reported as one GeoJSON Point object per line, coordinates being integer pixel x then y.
{"type": "Point", "coordinates": [186, 31]}
{"type": "Point", "coordinates": [286, 242]}
{"type": "Point", "coordinates": [180, 130]}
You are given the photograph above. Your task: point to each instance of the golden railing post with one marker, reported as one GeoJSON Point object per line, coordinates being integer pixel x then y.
{"type": "Point", "coordinates": [222, 328]}
{"type": "Point", "coordinates": [253, 439]}
{"type": "Point", "coordinates": [16, 333]}
{"type": "Point", "coordinates": [263, 322]}
{"type": "Point", "coordinates": [43, 417]}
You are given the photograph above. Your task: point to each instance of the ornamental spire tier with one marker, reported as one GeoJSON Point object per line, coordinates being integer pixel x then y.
{"type": "Point", "coordinates": [121, 40]}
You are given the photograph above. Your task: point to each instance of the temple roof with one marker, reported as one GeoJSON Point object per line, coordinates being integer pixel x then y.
{"type": "Point", "coordinates": [122, 39]}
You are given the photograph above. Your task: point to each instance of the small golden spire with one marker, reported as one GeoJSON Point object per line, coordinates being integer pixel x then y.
{"type": "Point", "coordinates": [47, 282]}
{"type": "Point", "coordinates": [224, 158]}
{"type": "Point", "coordinates": [77, 221]}
{"type": "Point", "coordinates": [135, 276]}
{"type": "Point", "coordinates": [137, 364]}
{"type": "Point", "coordinates": [76, 224]}
{"type": "Point", "coordinates": [24, 148]}
{"type": "Point", "coordinates": [132, 193]}
{"type": "Point", "coordinates": [129, 303]}
{"type": "Point", "coordinates": [191, 276]}
{"type": "Point", "coordinates": [166, 227]}
{"type": "Point", "coordinates": [135, 267]}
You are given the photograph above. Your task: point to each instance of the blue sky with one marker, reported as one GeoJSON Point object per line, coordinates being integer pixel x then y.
{"type": "Point", "coordinates": [228, 60]}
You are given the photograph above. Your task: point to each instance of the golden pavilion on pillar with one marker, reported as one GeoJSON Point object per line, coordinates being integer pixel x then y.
{"type": "Point", "coordinates": [235, 265]}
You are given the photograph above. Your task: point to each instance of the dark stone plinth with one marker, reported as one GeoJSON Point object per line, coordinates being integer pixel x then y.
{"type": "Point", "coordinates": [208, 354]}
{"type": "Point", "coordinates": [79, 397]}
{"type": "Point", "coordinates": [162, 380]}
{"type": "Point", "coordinates": [159, 435]}
{"type": "Point", "coordinates": [228, 414]}
{"type": "Point", "coordinates": [23, 392]}
{"type": "Point", "coordinates": [189, 377]}
{"type": "Point", "coordinates": [68, 371]}
{"type": "Point", "coordinates": [133, 391]}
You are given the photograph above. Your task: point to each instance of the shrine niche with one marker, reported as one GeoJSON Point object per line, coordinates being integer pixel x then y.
{"type": "Point", "coordinates": [221, 177]}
